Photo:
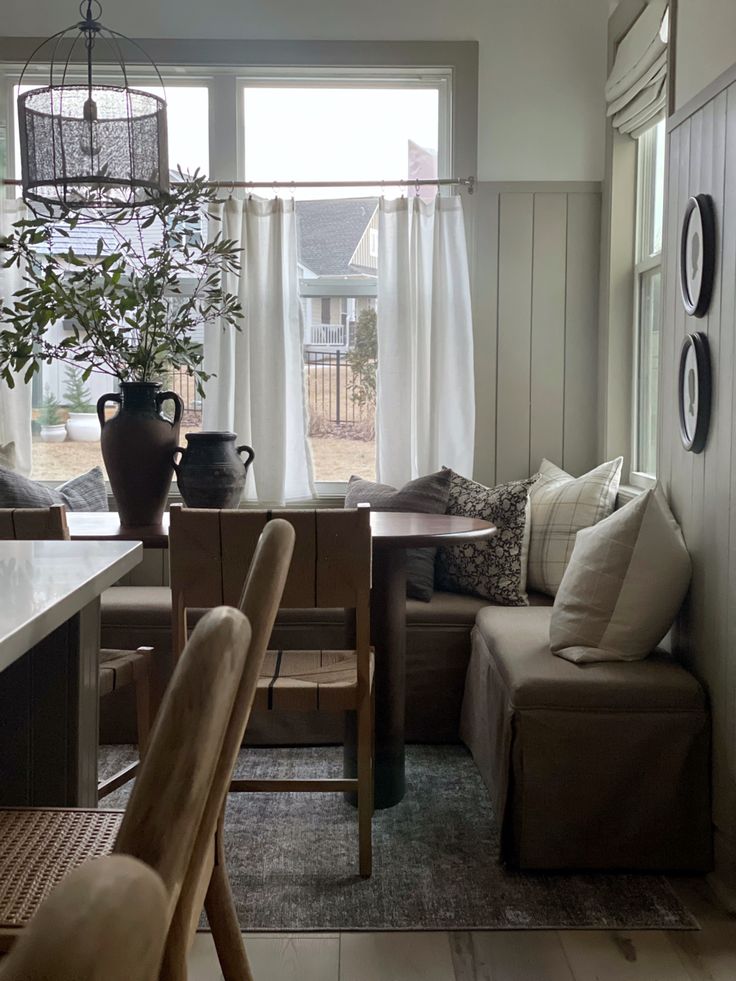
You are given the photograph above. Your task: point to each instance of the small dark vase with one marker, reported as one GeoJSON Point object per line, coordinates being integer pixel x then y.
{"type": "Point", "coordinates": [137, 446]}
{"type": "Point", "coordinates": [211, 473]}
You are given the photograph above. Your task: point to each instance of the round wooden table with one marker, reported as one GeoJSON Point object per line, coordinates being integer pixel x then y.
{"type": "Point", "coordinates": [393, 533]}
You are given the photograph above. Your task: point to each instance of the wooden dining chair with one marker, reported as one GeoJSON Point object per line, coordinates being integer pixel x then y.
{"type": "Point", "coordinates": [117, 668]}
{"type": "Point", "coordinates": [267, 576]}
{"type": "Point", "coordinates": [106, 921]}
{"type": "Point", "coordinates": [209, 552]}
{"type": "Point", "coordinates": [163, 820]}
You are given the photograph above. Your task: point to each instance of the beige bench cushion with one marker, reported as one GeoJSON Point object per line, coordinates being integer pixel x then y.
{"type": "Point", "coordinates": [518, 641]}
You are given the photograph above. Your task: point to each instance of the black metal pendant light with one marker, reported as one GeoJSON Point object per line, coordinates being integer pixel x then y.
{"type": "Point", "coordinates": [86, 145]}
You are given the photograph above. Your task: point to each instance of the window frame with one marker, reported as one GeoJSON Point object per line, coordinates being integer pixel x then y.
{"type": "Point", "coordinates": [644, 264]}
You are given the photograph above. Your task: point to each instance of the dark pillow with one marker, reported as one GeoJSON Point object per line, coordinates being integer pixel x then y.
{"type": "Point", "coordinates": [425, 495]}
{"type": "Point", "coordinates": [84, 493]}
{"type": "Point", "coordinates": [496, 569]}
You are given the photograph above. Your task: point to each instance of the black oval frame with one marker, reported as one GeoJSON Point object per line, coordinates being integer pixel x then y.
{"type": "Point", "coordinates": [702, 360]}
{"type": "Point", "coordinates": [698, 306]}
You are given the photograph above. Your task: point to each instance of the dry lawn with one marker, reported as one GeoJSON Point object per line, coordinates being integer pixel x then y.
{"type": "Point", "coordinates": [334, 459]}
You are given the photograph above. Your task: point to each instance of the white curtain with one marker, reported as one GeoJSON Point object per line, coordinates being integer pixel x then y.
{"type": "Point", "coordinates": [15, 403]}
{"type": "Point", "coordinates": [636, 90]}
{"type": "Point", "coordinates": [425, 415]}
{"type": "Point", "coordinates": [258, 391]}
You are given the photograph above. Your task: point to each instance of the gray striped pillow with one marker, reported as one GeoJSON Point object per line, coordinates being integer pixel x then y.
{"type": "Point", "coordinates": [425, 495]}
{"type": "Point", "coordinates": [84, 493]}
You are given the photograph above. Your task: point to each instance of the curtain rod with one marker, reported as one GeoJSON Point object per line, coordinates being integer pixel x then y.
{"type": "Point", "coordinates": [468, 182]}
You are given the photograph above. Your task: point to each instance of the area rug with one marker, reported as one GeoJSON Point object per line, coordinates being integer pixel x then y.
{"type": "Point", "coordinates": [293, 858]}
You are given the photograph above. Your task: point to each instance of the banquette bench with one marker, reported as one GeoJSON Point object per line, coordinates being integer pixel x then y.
{"type": "Point", "coordinates": [597, 766]}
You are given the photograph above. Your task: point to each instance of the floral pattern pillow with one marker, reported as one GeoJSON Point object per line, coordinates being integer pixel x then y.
{"type": "Point", "coordinates": [495, 569]}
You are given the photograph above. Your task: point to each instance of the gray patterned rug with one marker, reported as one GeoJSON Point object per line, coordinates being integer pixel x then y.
{"type": "Point", "coordinates": [293, 858]}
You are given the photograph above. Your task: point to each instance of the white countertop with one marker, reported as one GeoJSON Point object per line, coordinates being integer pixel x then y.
{"type": "Point", "coordinates": [43, 584]}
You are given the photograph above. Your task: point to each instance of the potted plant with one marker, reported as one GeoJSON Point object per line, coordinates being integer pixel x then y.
{"type": "Point", "coordinates": [82, 424]}
{"type": "Point", "coordinates": [132, 310]}
{"type": "Point", "coordinates": [53, 429]}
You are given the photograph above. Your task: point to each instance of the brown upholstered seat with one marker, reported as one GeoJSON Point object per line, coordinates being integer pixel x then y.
{"type": "Point", "coordinates": [308, 681]}
{"type": "Point", "coordinates": [589, 766]}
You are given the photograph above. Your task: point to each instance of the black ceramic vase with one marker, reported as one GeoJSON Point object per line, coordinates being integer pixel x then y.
{"type": "Point", "coordinates": [137, 446]}
{"type": "Point", "coordinates": [211, 473]}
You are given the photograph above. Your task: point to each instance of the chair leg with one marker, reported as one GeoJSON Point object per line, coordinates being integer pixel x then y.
{"type": "Point", "coordinates": [365, 788]}
{"type": "Point", "coordinates": [143, 707]}
{"type": "Point", "coordinates": [223, 920]}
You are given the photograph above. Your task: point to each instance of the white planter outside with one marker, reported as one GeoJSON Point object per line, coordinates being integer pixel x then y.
{"type": "Point", "coordinates": [53, 434]}
{"type": "Point", "coordinates": [83, 427]}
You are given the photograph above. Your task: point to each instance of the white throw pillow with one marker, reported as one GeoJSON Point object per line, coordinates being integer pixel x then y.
{"type": "Point", "coordinates": [560, 506]}
{"type": "Point", "coordinates": [624, 584]}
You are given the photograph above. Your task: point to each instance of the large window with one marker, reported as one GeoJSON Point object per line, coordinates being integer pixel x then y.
{"type": "Point", "coordinates": [648, 299]}
{"type": "Point", "coordinates": [311, 125]}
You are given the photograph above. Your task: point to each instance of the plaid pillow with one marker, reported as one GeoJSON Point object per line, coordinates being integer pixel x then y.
{"type": "Point", "coordinates": [560, 506]}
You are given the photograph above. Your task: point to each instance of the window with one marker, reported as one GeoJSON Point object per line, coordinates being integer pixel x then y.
{"type": "Point", "coordinates": [378, 129]}
{"type": "Point", "coordinates": [648, 299]}
{"type": "Point", "coordinates": [302, 124]}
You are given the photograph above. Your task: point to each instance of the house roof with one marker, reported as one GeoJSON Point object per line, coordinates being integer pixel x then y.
{"type": "Point", "coordinates": [329, 233]}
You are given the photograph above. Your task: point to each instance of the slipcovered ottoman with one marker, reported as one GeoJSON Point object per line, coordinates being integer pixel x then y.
{"type": "Point", "coordinates": [593, 766]}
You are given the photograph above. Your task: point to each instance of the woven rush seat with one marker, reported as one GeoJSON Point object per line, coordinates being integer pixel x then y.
{"type": "Point", "coordinates": [305, 681]}
{"type": "Point", "coordinates": [38, 847]}
{"type": "Point", "coordinates": [120, 668]}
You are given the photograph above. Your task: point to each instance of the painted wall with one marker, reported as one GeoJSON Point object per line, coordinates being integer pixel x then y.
{"type": "Point", "coordinates": [702, 487]}
{"type": "Point", "coordinates": [706, 44]}
{"type": "Point", "coordinates": [542, 64]}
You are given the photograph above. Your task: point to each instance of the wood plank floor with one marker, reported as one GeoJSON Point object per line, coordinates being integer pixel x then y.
{"type": "Point", "coordinates": [564, 955]}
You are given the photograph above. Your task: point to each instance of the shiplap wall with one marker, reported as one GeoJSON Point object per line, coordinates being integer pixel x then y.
{"type": "Point", "coordinates": [702, 487]}
{"type": "Point", "coordinates": [535, 295]}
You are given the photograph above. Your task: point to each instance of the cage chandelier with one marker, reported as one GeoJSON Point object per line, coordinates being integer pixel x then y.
{"type": "Point", "coordinates": [91, 146]}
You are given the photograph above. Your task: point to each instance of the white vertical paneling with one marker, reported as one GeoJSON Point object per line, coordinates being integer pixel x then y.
{"type": "Point", "coordinates": [679, 499]}
{"type": "Point", "coordinates": [548, 328]}
{"type": "Point", "coordinates": [581, 335]}
{"type": "Point", "coordinates": [535, 293]}
{"type": "Point", "coordinates": [725, 784]}
{"type": "Point", "coordinates": [515, 276]}
{"type": "Point", "coordinates": [485, 312]}
{"type": "Point", "coordinates": [667, 387]}
{"type": "Point", "coordinates": [702, 159]}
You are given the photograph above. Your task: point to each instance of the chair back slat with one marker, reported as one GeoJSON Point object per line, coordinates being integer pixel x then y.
{"type": "Point", "coordinates": [299, 592]}
{"type": "Point", "coordinates": [105, 921]}
{"type": "Point", "coordinates": [240, 531]}
{"type": "Point", "coordinates": [343, 572]}
{"type": "Point", "coordinates": [40, 524]}
{"type": "Point", "coordinates": [176, 777]}
{"type": "Point", "coordinates": [196, 560]}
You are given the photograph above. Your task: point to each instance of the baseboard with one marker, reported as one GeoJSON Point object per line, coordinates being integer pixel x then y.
{"type": "Point", "coordinates": [722, 880]}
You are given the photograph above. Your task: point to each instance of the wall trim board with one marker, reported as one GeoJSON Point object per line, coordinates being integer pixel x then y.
{"type": "Point", "coordinates": [706, 95]}
{"type": "Point", "coordinates": [460, 56]}
{"type": "Point", "coordinates": [542, 187]}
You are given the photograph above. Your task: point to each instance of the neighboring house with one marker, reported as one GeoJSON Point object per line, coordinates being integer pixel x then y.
{"type": "Point", "coordinates": [338, 263]}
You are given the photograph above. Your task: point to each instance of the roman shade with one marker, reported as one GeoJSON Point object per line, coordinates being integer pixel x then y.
{"type": "Point", "coordinates": [636, 90]}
